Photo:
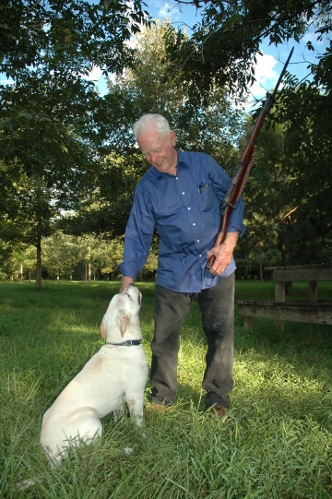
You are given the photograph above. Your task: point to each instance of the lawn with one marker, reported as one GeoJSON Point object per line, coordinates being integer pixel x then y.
{"type": "Point", "coordinates": [274, 443]}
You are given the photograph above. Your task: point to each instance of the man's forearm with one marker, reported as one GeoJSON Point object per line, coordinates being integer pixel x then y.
{"type": "Point", "coordinates": [223, 253]}
{"type": "Point", "coordinates": [231, 240]}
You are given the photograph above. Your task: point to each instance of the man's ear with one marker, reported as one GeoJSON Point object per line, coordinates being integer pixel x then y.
{"type": "Point", "coordinates": [124, 320]}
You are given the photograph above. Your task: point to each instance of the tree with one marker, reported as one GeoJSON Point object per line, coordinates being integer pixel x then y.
{"type": "Point", "coordinates": [89, 255]}
{"type": "Point", "coordinates": [71, 35]}
{"type": "Point", "coordinates": [288, 193]}
{"type": "Point", "coordinates": [308, 130]}
{"type": "Point", "coordinates": [213, 128]}
{"type": "Point", "coordinates": [223, 46]}
{"type": "Point", "coordinates": [48, 108]}
{"type": "Point", "coordinates": [222, 51]}
{"type": "Point", "coordinates": [268, 204]}
{"type": "Point", "coordinates": [29, 217]}
{"type": "Point", "coordinates": [62, 254]}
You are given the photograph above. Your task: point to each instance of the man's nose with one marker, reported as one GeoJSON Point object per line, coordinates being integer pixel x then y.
{"type": "Point", "coordinates": [151, 158]}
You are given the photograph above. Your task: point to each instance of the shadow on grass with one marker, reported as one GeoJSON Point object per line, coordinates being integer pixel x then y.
{"type": "Point", "coordinates": [275, 441]}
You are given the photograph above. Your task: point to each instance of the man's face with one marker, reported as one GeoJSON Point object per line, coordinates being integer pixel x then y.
{"type": "Point", "coordinates": [159, 150]}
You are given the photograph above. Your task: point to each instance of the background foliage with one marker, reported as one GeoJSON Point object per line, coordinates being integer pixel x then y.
{"type": "Point", "coordinates": [68, 160]}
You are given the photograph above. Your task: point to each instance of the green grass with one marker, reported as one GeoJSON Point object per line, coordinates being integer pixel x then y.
{"type": "Point", "coordinates": [274, 443]}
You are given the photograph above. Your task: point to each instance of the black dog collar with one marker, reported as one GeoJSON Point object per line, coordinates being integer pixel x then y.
{"type": "Point", "coordinates": [127, 343]}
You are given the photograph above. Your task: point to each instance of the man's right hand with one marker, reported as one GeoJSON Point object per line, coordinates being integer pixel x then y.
{"type": "Point", "coordinates": [126, 280]}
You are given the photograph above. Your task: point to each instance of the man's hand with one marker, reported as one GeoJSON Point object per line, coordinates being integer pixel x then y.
{"type": "Point", "coordinates": [223, 253]}
{"type": "Point", "coordinates": [126, 280]}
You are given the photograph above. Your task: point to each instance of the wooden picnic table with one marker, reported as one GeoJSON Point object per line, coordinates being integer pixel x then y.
{"type": "Point", "coordinates": [310, 273]}
{"type": "Point", "coordinates": [311, 311]}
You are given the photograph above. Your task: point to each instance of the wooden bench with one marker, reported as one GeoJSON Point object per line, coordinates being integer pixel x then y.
{"type": "Point", "coordinates": [291, 311]}
{"type": "Point", "coordinates": [310, 312]}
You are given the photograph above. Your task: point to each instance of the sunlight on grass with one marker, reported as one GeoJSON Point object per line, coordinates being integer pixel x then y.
{"type": "Point", "coordinates": [22, 386]}
{"type": "Point", "coordinates": [274, 443]}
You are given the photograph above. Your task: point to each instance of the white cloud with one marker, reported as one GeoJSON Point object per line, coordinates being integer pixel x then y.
{"type": "Point", "coordinates": [5, 81]}
{"type": "Point", "coordinates": [165, 11]}
{"type": "Point", "coordinates": [99, 80]}
{"type": "Point", "coordinates": [266, 78]}
{"type": "Point", "coordinates": [95, 74]}
{"type": "Point", "coordinates": [265, 74]}
{"type": "Point", "coordinates": [171, 10]}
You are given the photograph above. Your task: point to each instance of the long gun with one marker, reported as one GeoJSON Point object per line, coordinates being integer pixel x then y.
{"type": "Point", "coordinates": [243, 167]}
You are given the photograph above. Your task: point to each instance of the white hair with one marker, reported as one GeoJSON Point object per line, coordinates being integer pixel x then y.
{"type": "Point", "coordinates": [151, 120]}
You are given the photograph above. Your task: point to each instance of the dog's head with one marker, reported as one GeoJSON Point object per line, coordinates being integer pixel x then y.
{"type": "Point", "coordinates": [121, 316]}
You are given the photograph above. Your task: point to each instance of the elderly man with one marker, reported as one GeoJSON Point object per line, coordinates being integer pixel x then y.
{"type": "Point", "coordinates": [180, 197]}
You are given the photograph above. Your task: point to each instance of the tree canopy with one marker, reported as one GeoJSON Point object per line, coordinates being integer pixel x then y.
{"type": "Point", "coordinates": [224, 44]}
{"type": "Point", "coordinates": [47, 124]}
{"type": "Point", "coordinates": [69, 35]}
{"type": "Point", "coordinates": [68, 157]}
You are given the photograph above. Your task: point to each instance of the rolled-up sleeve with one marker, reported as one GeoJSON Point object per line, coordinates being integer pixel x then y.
{"type": "Point", "coordinates": [138, 236]}
{"type": "Point", "coordinates": [236, 219]}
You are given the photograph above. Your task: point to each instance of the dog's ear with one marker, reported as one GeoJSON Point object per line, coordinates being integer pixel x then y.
{"type": "Point", "coordinates": [124, 320]}
{"type": "Point", "coordinates": [103, 331]}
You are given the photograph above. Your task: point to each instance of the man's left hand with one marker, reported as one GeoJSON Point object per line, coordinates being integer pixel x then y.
{"type": "Point", "coordinates": [223, 253]}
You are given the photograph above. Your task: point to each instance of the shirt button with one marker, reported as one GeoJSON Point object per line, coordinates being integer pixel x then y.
{"type": "Point", "coordinates": [189, 208]}
{"type": "Point", "coordinates": [198, 241]}
{"type": "Point", "coordinates": [194, 224]}
{"type": "Point", "coordinates": [183, 193]}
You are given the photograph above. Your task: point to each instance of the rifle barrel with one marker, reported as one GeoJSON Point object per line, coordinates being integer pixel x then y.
{"type": "Point", "coordinates": [243, 166]}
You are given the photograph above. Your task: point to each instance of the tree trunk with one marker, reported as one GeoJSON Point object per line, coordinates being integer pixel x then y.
{"type": "Point", "coordinates": [39, 263]}
{"type": "Point", "coordinates": [260, 245]}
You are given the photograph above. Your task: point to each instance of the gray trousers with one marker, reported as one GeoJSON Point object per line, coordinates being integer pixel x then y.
{"type": "Point", "coordinates": [217, 309]}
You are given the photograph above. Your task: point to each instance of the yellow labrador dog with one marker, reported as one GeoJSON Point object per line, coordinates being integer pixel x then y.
{"type": "Point", "coordinates": [116, 374]}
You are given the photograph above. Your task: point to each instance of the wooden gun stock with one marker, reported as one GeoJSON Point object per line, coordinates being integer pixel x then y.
{"type": "Point", "coordinates": [243, 167]}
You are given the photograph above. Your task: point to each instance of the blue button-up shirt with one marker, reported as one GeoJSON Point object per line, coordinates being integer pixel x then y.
{"type": "Point", "coordinates": [185, 210]}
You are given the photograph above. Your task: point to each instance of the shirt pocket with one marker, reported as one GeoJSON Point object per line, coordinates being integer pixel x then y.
{"type": "Point", "coordinates": [207, 198]}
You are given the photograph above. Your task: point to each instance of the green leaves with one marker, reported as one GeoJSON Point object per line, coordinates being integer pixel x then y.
{"type": "Point", "coordinates": [74, 32]}
{"type": "Point", "coordinates": [222, 47]}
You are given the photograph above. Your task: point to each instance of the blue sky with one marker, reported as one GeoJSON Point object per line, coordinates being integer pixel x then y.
{"type": "Point", "coordinates": [269, 66]}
